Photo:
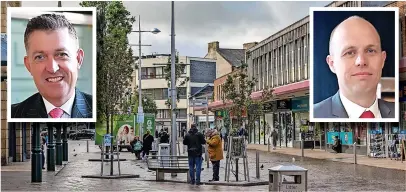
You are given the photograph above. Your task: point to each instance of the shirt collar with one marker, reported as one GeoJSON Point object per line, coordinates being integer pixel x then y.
{"type": "Point", "coordinates": [355, 111]}
{"type": "Point", "coordinates": [66, 107]}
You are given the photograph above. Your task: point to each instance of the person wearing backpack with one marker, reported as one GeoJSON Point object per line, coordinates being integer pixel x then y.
{"type": "Point", "coordinates": [194, 141]}
{"type": "Point", "coordinates": [137, 147]}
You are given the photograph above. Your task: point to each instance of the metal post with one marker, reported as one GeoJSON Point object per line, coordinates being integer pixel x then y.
{"type": "Point", "coordinates": [269, 145]}
{"type": "Point", "coordinates": [140, 109]}
{"type": "Point", "coordinates": [87, 146]}
{"type": "Point", "coordinates": [207, 155]}
{"type": "Point", "coordinates": [207, 112]}
{"type": "Point", "coordinates": [36, 156]}
{"type": "Point", "coordinates": [257, 163]}
{"type": "Point", "coordinates": [51, 148]}
{"type": "Point", "coordinates": [65, 153]}
{"type": "Point", "coordinates": [236, 169]}
{"type": "Point", "coordinates": [58, 144]}
{"type": "Point", "coordinates": [111, 153]}
{"type": "Point", "coordinates": [355, 152]}
{"type": "Point", "coordinates": [173, 82]}
{"type": "Point", "coordinates": [302, 146]}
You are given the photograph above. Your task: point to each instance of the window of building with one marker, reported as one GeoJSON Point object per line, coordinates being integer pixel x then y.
{"type": "Point", "coordinates": [182, 92]}
{"type": "Point", "coordinates": [181, 113]}
{"type": "Point", "coordinates": [159, 73]}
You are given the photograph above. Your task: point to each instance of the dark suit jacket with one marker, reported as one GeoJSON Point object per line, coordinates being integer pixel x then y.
{"type": "Point", "coordinates": [333, 108]}
{"type": "Point", "coordinates": [34, 107]}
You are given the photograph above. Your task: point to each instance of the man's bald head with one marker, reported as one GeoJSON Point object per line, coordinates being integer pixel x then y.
{"type": "Point", "coordinates": [351, 21]}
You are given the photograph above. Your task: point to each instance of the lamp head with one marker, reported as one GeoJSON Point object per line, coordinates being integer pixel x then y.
{"type": "Point", "coordinates": [155, 31]}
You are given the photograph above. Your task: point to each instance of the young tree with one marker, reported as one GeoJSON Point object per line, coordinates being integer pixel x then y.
{"type": "Point", "coordinates": [115, 61]}
{"type": "Point", "coordinates": [180, 78]}
{"type": "Point", "coordinates": [238, 89]}
{"type": "Point", "coordinates": [149, 105]}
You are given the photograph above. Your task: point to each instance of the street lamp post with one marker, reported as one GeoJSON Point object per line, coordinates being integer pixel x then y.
{"type": "Point", "coordinates": [154, 31]}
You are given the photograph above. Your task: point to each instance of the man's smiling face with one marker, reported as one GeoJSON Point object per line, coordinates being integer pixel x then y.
{"type": "Point", "coordinates": [53, 59]}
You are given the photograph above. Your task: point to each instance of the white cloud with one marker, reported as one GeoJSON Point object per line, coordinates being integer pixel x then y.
{"type": "Point", "coordinates": [198, 23]}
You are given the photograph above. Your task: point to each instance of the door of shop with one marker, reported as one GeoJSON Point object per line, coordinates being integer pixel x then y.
{"type": "Point", "coordinates": [284, 127]}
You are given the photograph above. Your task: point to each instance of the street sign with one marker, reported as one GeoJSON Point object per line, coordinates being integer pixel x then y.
{"type": "Point", "coordinates": [107, 140]}
{"type": "Point", "coordinates": [140, 118]}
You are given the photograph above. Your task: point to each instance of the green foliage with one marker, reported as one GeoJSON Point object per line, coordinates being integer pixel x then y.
{"type": "Point", "coordinates": [238, 89]}
{"type": "Point", "coordinates": [148, 105]}
{"type": "Point", "coordinates": [115, 61]}
{"type": "Point", "coordinates": [180, 77]}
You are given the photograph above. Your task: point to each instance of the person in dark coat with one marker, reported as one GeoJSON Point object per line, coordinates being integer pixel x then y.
{"type": "Point", "coordinates": [194, 141]}
{"type": "Point", "coordinates": [148, 139]}
{"type": "Point", "coordinates": [165, 137]}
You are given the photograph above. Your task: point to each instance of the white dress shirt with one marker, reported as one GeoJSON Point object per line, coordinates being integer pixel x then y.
{"type": "Point", "coordinates": [66, 107]}
{"type": "Point", "coordinates": [354, 111]}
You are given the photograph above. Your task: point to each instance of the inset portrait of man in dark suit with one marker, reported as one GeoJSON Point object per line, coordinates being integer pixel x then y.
{"type": "Point", "coordinates": [54, 58]}
{"type": "Point", "coordinates": [357, 59]}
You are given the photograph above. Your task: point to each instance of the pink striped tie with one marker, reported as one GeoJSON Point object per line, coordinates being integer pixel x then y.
{"type": "Point", "coordinates": [56, 113]}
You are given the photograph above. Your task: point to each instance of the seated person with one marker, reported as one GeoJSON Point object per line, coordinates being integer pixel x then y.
{"type": "Point", "coordinates": [337, 145]}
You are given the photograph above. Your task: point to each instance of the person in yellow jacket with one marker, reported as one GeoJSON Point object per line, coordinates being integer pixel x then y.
{"type": "Point", "coordinates": [215, 151]}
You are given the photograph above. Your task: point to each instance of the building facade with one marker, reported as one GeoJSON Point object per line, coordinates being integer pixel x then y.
{"type": "Point", "coordinates": [282, 62]}
{"type": "Point", "coordinates": [199, 71]}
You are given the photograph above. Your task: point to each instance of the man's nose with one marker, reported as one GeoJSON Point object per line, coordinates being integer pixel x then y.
{"type": "Point", "coordinates": [361, 60]}
{"type": "Point", "coordinates": [52, 66]}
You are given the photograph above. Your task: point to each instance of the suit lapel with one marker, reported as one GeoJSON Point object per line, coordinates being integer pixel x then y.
{"type": "Point", "coordinates": [80, 108]}
{"type": "Point", "coordinates": [337, 107]}
{"type": "Point", "coordinates": [384, 109]}
{"type": "Point", "coordinates": [37, 108]}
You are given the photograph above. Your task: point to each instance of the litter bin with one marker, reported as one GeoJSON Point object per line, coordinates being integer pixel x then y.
{"type": "Point", "coordinates": [287, 178]}
{"type": "Point", "coordinates": [164, 149]}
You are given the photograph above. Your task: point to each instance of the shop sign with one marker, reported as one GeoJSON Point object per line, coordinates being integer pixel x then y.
{"type": "Point", "coordinates": [220, 113]}
{"type": "Point", "coordinates": [283, 104]}
{"type": "Point", "coordinates": [267, 106]}
{"type": "Point", "coordinates": [300, 104]}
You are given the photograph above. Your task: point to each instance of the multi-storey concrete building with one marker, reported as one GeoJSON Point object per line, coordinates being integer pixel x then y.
{"type": "Point", "coordinates": [201, 72]}
{"type": "Point", "coordinates": [281, 62]}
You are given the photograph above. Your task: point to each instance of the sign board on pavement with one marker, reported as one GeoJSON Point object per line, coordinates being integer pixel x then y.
{"type": "Point", "coordinates": [107, 140]}
{"type": "Point", "coordinates": [140, 117]}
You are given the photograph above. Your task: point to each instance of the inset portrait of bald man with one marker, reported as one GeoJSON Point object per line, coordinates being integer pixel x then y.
{"type": "Point", "coordinates": [357, 59]}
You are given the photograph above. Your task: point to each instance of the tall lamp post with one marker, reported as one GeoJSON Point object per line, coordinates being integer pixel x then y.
{"type": "Point", "coordinates": [154, 31]}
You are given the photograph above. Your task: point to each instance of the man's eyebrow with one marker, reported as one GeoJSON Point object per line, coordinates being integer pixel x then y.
{"type": "Point", "coordinates": [38, 52]}
{"type": "Point", "coordinates": [61, 49]}
{"type": "Point", "coordinates": [348, 47]}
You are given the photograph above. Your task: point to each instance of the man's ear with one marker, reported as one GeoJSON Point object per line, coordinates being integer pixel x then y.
{"type": "Point", "coordinates": [79, 57]}
{"type": "Point", "coordinates": [383, 58]}
{"type": "Point", "coordinates": [27, 63]}
{"type": "Point", "coordinates": [330, 63]}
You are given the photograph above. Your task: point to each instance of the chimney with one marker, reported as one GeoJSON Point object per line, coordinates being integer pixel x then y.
{"type": "Point", "coordinates": [213, 46]}
{"type": "Point", "coordinates": [247, 46]}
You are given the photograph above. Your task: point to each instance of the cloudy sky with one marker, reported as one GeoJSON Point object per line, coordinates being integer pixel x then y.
{"type": "Point", "coordinates": [198, 23]}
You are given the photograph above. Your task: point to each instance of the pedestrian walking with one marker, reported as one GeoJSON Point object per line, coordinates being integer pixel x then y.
{"type": "Point", "coordinates": [215, 152]}
{"type": "Point", "coordinates": [274, 136]}
{"type": "Point", "coordinates": [148, 139]}
{"type": "Point", "coordinates": [137, 147]}
{"type": "Point", "coordinates": [194, 141]}
{"type": "Point", "coordinates": [165, 137]}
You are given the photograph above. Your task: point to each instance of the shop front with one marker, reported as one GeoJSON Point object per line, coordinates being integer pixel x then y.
{"type": "Point", "coordinates": [344, 131]}
{"type": "Point", "coordinates": [283, 123]}
{"type": "Point", "coordinates": [302, 128]}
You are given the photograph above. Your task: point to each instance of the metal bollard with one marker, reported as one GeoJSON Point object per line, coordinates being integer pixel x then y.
{"type": "Point", "coordinates": [87, 146]}
{"type": "Point", "coordinates": [302, 146]}
{"type": "Point", "coordinates": [355, 152]}
{"type": "Point", "coordinates": [257, 163]}
{"type": "Point", "coordinates": [269, 144]}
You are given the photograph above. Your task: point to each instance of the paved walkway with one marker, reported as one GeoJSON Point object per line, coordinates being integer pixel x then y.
{"type": "Point", "coordinates": [340, 157]}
